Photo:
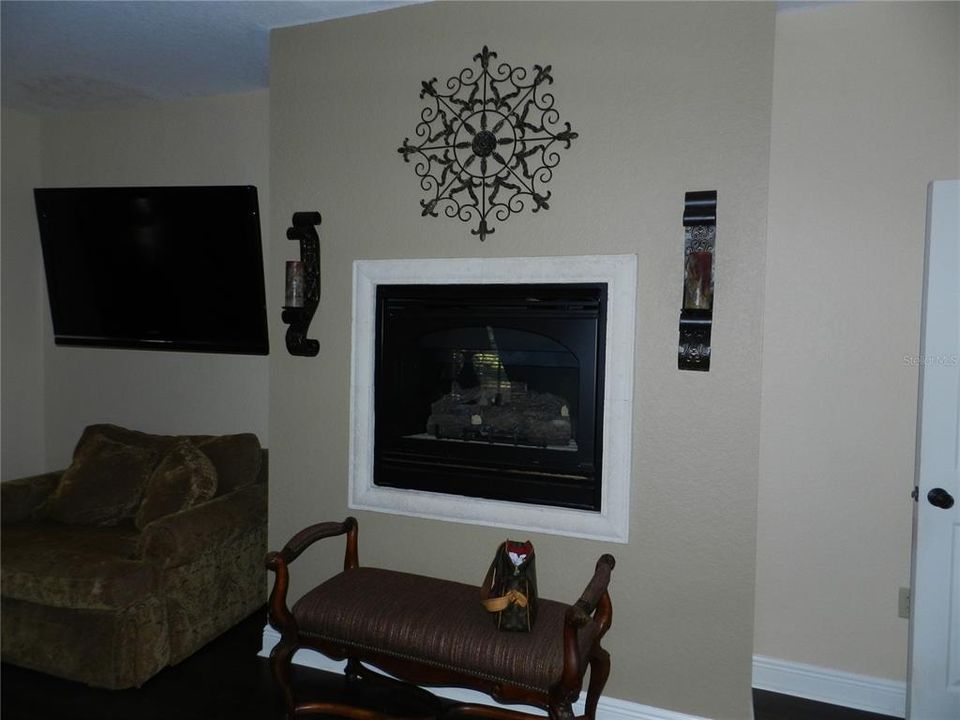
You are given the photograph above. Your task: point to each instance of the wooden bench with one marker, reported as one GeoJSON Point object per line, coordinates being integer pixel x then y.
{"type": "Point", "coordinates": [427, 631]}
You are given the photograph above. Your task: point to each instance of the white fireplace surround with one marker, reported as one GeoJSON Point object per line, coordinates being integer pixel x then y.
{"type": "Point", "coordinates": [619, 272]}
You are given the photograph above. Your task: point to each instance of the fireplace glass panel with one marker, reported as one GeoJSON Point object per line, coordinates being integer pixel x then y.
{"type": "Point", "coordinates": [496, 385]}
{"type": "Point", "coordinates": [491, 391]}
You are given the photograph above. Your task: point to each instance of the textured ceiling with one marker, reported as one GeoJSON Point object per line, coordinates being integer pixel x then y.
{"type": "Point", "coordinates": [86, 54]}
{"type": "Point", "coordinates": [80, 54]}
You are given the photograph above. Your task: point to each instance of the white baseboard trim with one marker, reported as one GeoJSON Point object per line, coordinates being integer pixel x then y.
{"type": "Point", "coordinates": [862, 692]}
{"type": "Point", "coordinates": [607, 709]}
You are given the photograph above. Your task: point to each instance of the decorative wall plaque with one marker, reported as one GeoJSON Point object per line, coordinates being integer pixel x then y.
{"type": "Point", "coordinates": [487, 141]}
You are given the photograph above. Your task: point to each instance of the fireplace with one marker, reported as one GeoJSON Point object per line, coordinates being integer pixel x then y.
{"type": "Point", "coordinates": [492, 391]}
{"type": "Point", "coordinates": [510, 375]}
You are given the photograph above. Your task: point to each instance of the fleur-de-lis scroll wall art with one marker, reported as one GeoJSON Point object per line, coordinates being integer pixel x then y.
{"type": "Point", "coordinates": [487, 142]}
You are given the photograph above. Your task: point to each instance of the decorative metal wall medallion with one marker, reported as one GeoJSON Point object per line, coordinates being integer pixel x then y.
{"type": "Point", "coordinates": [488, 144]}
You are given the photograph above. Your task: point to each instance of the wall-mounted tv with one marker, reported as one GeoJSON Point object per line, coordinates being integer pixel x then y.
{"type": "Point", "coordinates": [163, 268]}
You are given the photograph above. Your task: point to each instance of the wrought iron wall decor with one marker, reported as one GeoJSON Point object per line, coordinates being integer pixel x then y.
{"type": "Point", "coordinates": [487, 143]}
{"type": "Point", "coordinates": [299, 317]}
{"type": "Point", "coordinates": [696, 315]}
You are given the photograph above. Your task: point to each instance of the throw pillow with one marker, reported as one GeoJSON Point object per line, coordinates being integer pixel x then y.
{"type": "Point", "coordinates": [103, 484]}
{"type": "Point", "coordinates": [124, 435]}
{"type": "Point", "coordinates": [236, 458]}
{"type": "Point", "coordinates": [184, 478]}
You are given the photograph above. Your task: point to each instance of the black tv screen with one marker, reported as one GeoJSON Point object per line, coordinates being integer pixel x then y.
{"type": "Point", "coordinates": [166, 268]}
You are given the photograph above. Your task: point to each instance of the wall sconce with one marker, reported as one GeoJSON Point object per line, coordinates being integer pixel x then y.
{"type": "Point", "coordinates": [294, 284]}
{"type": "Point", "coordinates": [302, 285]}
{"type": "Point", "coordinates": [696, 314]}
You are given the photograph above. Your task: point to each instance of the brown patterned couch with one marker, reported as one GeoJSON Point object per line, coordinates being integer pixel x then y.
{"type": "Point", "coordinates": [143, 550]}
{"type": "Point", "coordinates": [436, 632]}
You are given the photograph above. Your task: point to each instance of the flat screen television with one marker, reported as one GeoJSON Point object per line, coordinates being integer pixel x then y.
{"type": "Point", "coordinates": [162, 268]}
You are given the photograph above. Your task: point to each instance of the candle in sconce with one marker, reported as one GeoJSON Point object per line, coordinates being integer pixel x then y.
{"type": "Point", "coordinates": [698, 281]}
{"type": "Point", "coordinates": [294, 295]}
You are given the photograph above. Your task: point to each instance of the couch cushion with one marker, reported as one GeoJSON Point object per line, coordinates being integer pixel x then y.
{"type": "Point", "coordinates": [49, 563]}
{"type": "Point", "coordinates": [123, 435]}
{"type": "Point", "coordinates": [184, 478]}
{"type": "Point", "coordinates": [22, 498]}
{"type": "Point", "coordinates": [103, 484]}
{"type": "Point", "coordinates": [236, 458]}
{"type": "Point", "coordinates": [436, 622]}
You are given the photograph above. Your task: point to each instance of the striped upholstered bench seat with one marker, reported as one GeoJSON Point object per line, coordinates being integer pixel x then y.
{"type": "Point", "coordinates": [436, 632]}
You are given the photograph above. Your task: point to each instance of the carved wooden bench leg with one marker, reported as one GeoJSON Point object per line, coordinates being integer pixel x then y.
{"type": "Point", "coordinates": [353, 670]}
{"type": "Point", "coordinates": [599, 672]}
{"type": "Point", "coordinates": [488, 712]}
{"type": "Point", "coordinates": [561, 711]}
{"type": "Point", "coordinates": [357, 672]}
{"type": "Point", "coordinates": [346, 711]}
{"type": "Point", "coordinates": [281, 658]}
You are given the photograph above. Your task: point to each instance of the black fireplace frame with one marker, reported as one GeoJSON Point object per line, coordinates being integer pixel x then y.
{"type": "Point", "coordinates": [486, 468]}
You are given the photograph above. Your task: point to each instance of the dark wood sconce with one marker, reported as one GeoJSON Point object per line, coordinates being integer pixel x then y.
{"type": "Point", "coordinates": [302, 301]}
{"type": "Point", "coordinates": [696, 315]}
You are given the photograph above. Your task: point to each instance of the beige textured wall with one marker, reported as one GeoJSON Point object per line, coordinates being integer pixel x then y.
{"type": "Point", "coordinates": [221, 140]}
{"type": "Point", "coordinates": [864, 115]}
{"type": "Point", "coordinates": [22, 303]}
{"type": "Point", "coordinates": [667, 97]}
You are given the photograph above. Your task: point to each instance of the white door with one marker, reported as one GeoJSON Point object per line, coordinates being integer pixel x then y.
{"type": "Point", "coordinates": [934, 682]}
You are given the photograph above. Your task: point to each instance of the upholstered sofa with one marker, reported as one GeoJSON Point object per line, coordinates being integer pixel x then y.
{"type": "Point", "coordinates": [143, 550]}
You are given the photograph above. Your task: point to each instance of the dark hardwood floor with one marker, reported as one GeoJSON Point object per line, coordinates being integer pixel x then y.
{"type": "Point", "coordinates": [771, 706]}
{"type": "Point", "coordinates": [226, 681]}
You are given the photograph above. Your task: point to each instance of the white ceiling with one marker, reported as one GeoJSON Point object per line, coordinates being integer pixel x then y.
{"type": "Point", "coordinates": [82, 54]}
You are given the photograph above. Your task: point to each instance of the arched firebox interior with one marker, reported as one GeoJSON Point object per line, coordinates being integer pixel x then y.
{"type": "Point", "coordinates": [492, 391]}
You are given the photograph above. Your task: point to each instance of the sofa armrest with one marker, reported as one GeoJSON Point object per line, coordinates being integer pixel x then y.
{"type": "Point", "coordinates": [181, 537]}
{"type": "Point", "coordinates": [22, 497]}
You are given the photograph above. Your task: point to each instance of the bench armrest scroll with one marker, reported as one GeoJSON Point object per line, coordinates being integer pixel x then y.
{"type": "Point", "coordinates": [594, 604]}
{"type": "Point", "coordinates": [308, 536]}
{"type": "Point", "coordinates": [594, 596]}
{"type": "Point", "coordinates": [595, 591]}
{"type": "Point", "coordinates": [277, 562]}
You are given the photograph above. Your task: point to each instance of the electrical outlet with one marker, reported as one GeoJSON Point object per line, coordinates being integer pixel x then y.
{"type": "Point", "coordinates": [903, 603]}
